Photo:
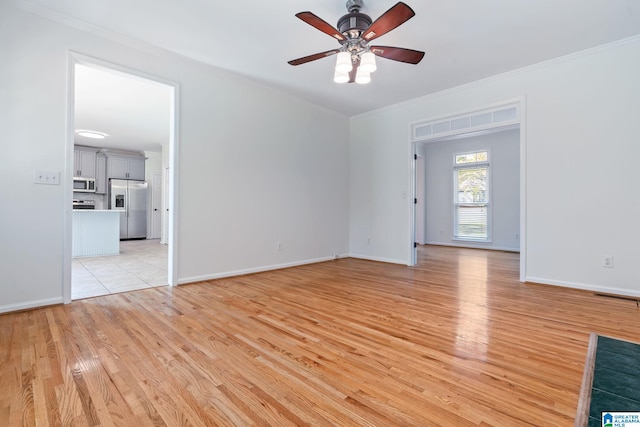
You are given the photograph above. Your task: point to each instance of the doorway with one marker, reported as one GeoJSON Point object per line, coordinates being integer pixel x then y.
{"type": "Point", "coordinates": [145, 124]}
{"type": "Point", "coordinates": [491, 119]}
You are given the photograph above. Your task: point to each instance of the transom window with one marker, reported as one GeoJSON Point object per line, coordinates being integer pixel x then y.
{"type": "Point", "coordinates": [471, 196]}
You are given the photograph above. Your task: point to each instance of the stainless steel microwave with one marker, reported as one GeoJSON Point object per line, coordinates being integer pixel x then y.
{"type": "Point", "coordinates": [84, 185]}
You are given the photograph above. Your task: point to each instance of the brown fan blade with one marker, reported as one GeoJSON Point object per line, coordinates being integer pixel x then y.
{"type": "Point", "coordinates": [401, 54]}
{"type": "Point", "coordinates": [392, 18]}
{"type": "Point", "coordinates": [321, 25]}
{"type": "Point", "coordinates": [313, 57]}
{"type": "Point", "coordinates": [354, 71]}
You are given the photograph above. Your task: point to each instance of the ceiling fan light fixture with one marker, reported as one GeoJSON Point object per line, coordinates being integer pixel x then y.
{"type": "Point", "coordinates": [354, 32]}
{"type": "Point", "coordinates": [368, 62]}
{"type": "Point", "coordinates": [362, 76]}
{"type": "Point", "coordinates": [341, 76]}
{"type": "Point", "coordinates": [343, 63]}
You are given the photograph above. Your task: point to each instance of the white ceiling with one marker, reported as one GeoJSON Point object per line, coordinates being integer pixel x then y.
{"type": "Point", "coordinates": [133, 112]}
{"type": "Point", "coordinates": [464, 40]}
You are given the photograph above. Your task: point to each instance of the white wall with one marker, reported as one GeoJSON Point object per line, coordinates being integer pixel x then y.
{"type": "Point", "coordinates": [504, 193]}
{"type": "Point", "coordinates": [582, 145]}
{"type": "Point", "coordinates": [256, 166]}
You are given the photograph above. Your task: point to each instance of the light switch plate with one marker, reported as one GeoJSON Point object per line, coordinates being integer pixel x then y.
{"type": "Point", "coordinates": [47, 177]}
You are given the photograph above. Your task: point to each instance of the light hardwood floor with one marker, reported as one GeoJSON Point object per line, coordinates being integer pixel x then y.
{"type": "Point", "coordinates": [456, 341]}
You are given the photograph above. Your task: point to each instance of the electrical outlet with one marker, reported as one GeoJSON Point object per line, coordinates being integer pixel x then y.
{"type": "Point", "coordinates": [279, 246]}
{"type": "Point", "coordinates": [368, 241]}
{"type": "Point", "coordinates": [607, 261]}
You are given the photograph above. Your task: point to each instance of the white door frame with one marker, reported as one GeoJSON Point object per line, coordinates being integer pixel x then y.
{"type": "Point", "coordinates": [413, 140]}
{"type": "Point", "coordinates": [78, 58]}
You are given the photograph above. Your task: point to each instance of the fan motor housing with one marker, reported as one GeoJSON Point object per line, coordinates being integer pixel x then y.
{"type": "Point", "coordinates": [353, 24]}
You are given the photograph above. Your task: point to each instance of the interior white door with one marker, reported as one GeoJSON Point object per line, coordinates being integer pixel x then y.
{"type": "Point", "coordinates": [420, 204]}
{"type": "Point", "coordinates": [165, 229]}
{"type": "Point", "coordinates": [156, 206]}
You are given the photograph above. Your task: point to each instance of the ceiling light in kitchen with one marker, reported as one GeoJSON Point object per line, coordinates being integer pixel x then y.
{"type": "Point", "coordinates": [91, 134]}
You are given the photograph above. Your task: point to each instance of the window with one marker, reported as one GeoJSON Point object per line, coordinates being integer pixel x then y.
{"type": "Point", "coordinates": [471, 196]}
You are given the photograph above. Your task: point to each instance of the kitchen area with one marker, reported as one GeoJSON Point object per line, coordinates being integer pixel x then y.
{"type": "Point", "coordinates": [112, 246]}
{"type": "Point", "coordinates": [121, 157]}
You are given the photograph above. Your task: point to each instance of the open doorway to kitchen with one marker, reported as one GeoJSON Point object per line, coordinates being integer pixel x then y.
{"type": "Point", "coordinates": [121, 140]}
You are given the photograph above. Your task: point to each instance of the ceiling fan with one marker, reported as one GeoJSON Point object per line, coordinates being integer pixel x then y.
{"type": "Point", "coordinates": [356, 59]}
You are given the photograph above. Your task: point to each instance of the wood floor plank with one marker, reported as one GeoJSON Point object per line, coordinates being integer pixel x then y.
{"type": "Point", "coordinates": [456, 340]}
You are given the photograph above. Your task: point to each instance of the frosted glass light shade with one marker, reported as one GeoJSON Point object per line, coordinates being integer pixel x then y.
{"type": "Point", "coordinates": [368, 62]}
{"type": "Point", "coordinates": [91, 134]}
{"type": "Point", "coordinates": [343, 63]}
{"type": "Point", "coordinates": [362, 76]}
{"type": "Point", "coordinates": [341, 77]}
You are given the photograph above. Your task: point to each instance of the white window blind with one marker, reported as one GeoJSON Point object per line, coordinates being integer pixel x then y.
{"type": "Point", "coordinates": [471, 222]}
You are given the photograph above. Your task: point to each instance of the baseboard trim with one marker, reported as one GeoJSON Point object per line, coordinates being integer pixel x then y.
{"type": "Point", "coordinates": [379, 259]}
{"type": "Point", "coordinates": [462, 244]}
{"type": "Point", "coordinates": [584, 286]}
{"type": "Point", "coordinates": [28, 305]}
{"type": "Point", "coordinates": [193, 279]}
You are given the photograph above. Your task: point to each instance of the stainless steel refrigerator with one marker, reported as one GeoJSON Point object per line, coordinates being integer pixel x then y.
{"type": "Point", "coordinates": [130, 198]}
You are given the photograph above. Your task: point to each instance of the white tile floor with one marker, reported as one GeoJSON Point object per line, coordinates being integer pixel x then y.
{"type": "Point", "coordinates": [141, 264]}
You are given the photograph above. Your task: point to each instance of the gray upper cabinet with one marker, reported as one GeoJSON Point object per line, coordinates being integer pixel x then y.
{"type": "Point", "coordinates": [84, 162]}
{"type": "Point", "coordinates": [136, 169]}
{"type": "Point", "coordinates": [125, 167]}
{"type": "Point", "coordinates": [101, 173]}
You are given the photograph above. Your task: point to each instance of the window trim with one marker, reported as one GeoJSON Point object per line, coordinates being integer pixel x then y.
{"type": "Point", "coordinates": [471, 165]}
